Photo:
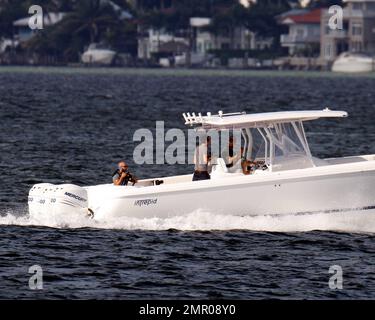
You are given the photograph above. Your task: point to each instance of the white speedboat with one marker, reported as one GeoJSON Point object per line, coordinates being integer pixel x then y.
{"type": "Point", "coordinates": [288, 179]}
{"type": "Point", "coordinates": [353, 63]}
{"type": "Point", "coordinates": [98, 54]}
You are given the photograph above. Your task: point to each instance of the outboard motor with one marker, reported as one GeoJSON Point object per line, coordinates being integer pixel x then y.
{"type": "Point", "coordinates": [57, 199]}
{"type": "Point", "coordinates": [37, 198]}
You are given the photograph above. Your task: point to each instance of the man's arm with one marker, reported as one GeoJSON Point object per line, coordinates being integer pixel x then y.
{"type": "Point", "coordinates": [119, 179]}
{"type": "Point", "coordinates": [235, 158]}
{"type": "Point", "coordinates": [245, 167]}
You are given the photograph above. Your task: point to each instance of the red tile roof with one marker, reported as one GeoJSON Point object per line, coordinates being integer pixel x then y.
{"type": "Point", "coordinates": [310, 17]}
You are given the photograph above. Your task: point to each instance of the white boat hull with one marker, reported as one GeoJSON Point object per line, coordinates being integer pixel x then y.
{"type": "Point", "coordinates": [335, 187]}
{"type": "Point", "coordinates": [353, 64]}
{"type": "Point", "coordinates": [98, 57]}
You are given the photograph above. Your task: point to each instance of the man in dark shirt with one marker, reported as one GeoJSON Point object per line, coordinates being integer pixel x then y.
{"type": "Point", "coordinates": [202, 160]}
{"type": "Point", "coordinates": [122, 176]}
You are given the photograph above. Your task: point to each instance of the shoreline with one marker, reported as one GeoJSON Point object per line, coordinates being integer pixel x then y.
{"type": "Point", "coordinates": [179, 72]}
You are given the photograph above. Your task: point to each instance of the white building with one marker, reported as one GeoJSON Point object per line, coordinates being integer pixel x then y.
{"type": "Point", "coordinates": [304, 31]}
{"type": "Point", "coordinates": [243, 39]}
{"type": "Point", "coordinates": [357, 35]}
{"type": "Point", "coordinates": [154, 41]}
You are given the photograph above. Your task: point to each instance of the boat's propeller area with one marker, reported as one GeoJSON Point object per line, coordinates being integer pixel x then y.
{"type": "Point", "coordinates": [47, 198]}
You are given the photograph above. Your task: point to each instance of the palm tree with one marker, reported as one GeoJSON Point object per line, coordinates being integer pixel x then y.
{"type": "Point", "coordinates": [91, 17]}
{"type": "Point", "coordinates": [227, 16]}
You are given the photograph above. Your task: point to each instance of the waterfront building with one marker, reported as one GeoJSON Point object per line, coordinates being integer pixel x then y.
{"type": "Point", "coordinates": [303, 37]}
{"type": "Point", "coordinates": [357, 35]}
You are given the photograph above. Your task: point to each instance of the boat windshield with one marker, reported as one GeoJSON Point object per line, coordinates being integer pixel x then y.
{"type": "Point", "coordinates": [282, 146]}
{"type": "Point", "coordinates": [288, 146]}
{"type": "Point", "coordinates": [255, 145]}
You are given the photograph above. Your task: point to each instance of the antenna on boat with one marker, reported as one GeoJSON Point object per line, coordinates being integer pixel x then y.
{"type": "Point", "coordinates": [193, 118]}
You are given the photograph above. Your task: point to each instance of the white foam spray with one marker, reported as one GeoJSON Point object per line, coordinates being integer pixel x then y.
{"type": "Point", "coordinates": [352, 221]}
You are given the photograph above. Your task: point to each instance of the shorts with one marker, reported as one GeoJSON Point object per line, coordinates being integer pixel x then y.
{"type": "Point", "coordinates": [201, 175]}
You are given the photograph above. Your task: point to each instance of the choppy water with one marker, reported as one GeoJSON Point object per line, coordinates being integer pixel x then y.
{"type": "Point", "coordinates": [64, 125]}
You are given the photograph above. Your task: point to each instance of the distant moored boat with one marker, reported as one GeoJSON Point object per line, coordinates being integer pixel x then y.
{"type": "Point", "coordinates": [353, 62]}
{"type": "Point", "coordinates": [98, 54]}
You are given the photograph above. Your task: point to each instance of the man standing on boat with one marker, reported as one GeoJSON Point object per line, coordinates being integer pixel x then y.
{"type": "Point", "coordinates": [231, 157]}
{"type": "Point", "coordinates": [122, 176]}
{"type": "Point", "coordinates": [202, 158]}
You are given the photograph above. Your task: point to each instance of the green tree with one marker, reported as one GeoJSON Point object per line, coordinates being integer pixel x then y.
{"type": "Point", "coordinates": [227, 16]}
{"type": "Point", "coordinates": [12, 10]}
{"type": "Point", "coordinates": [91, 21]}
{"type": "Point", "coordinates": [262, 19]}
{"type": "Point", "coordinates": [91, 18]}
{"type": "Point", "coordinates": [9, 12]}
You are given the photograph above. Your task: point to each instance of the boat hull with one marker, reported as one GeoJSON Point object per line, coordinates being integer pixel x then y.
{"type": "Point", "coordinates": [353, 65]}
{"type": "Point", "coordinates": [98, 57]}
{"type": "Point", "coordinates": [276, 194]}
{"type": "Point", "coordinates": [331, 188]}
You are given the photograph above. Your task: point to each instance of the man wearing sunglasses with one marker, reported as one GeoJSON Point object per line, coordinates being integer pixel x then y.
{"type": "Point", "coordinates": [122, 176]}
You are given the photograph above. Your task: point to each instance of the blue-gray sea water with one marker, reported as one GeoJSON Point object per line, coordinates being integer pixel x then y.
{"type": "Point", "coordinates": [73, 125]}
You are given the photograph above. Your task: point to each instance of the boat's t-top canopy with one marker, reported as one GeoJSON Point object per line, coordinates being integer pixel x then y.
{"type": "Point", "coordinates": [257, 120]}
{"type": "Point", "coordinates": [278, 138]}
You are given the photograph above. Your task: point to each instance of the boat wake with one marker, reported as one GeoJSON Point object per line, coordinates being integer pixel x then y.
{"type": "Point", "coordinates": [199, 220]}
